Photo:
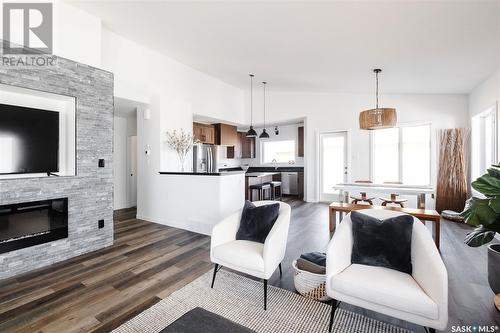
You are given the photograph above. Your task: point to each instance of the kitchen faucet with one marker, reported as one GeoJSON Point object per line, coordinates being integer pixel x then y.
{"type": "Point", "coordinates": [274, 162]}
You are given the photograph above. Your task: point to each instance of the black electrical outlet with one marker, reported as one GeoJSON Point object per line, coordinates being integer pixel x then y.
{"type": "Point", "coordinates": [101, 224]}
{"type": "Point", "coordinates": [101, 163]}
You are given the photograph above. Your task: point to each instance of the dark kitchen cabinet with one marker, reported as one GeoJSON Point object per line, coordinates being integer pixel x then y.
{"type": "Point", "coordinates": [225, 135]}
{"type": "Point", "coordinates": [300, 141]}
{"type": "Point", "coordinates": [300, 185]}
{"type": "Point", "coordinates": [247, 146]}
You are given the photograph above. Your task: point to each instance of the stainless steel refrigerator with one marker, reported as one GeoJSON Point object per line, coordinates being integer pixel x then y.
{"type": "Point", "coordinates": [205, 158]}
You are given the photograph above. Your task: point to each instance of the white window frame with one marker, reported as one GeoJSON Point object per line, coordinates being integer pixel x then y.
{"type": "Point", "coordinates": [400, 154]}
{"type": "Point", "coordinates": [493, 110]}
{"type": "Point", "coordinates": [261, 148]}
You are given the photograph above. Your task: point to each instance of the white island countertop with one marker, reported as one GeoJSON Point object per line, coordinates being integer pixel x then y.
{"type": "Point", "coordinates": [198, 201]}
{"type": "Point", "coordinates": [261, 174]}
{"type": "Point", "coordinates": [190, 173]}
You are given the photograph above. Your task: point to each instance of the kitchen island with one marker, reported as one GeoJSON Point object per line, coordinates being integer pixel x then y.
{"type": "Point", "coordinates": [252, 178]}
{"type": "Point", "coordinates": [198, 201]}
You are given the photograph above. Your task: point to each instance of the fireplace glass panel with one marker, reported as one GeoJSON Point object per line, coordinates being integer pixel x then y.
{"type": "Point", "coordinates": [27, 224]}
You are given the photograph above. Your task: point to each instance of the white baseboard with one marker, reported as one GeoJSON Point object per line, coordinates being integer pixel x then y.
{"type": "Point", "coordinates": [193, 227]}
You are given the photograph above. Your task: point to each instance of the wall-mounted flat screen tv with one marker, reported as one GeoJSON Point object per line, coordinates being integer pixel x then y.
{"type": "Point", "coordinates": [29, 140]}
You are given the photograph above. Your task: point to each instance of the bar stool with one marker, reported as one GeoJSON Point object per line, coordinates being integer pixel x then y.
{"type": "Point", "coordinates": [262, 189]}
{"type": "Point", "coordinates": [275, 186]}
{"type": "Point", "coordinates": [363, 198]}
{"type": "Point", "coordinates": [394, 199]}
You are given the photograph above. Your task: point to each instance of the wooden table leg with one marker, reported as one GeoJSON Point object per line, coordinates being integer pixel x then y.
{"type": "Point", "coordinates": [333, 220]}
{"type": "Point", "coordinates": [437, 232]}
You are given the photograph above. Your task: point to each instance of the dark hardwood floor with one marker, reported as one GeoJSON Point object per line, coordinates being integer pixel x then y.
{"type": "Point", "coordinates": [99, 291]}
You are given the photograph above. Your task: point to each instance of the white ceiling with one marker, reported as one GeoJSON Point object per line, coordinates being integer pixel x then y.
{"type": "Point", "coordinates": [423, 46]}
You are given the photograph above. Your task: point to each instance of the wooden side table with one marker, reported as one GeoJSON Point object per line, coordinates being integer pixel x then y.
{"type": "Point", "coordinates": [421, 214]}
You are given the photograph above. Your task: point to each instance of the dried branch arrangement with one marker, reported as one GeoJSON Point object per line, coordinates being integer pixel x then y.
{"type": "Point", "coordinates": [182, 142]}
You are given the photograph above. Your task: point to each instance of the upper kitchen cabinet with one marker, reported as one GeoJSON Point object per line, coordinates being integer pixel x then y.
{"type": "Point", "coordinates": [300, 141]}
{"type": "Point", "coordinates": [247, 146]}
{"type": "Point", "coordinates": [204, 133]}
{"type": "Point", "coordinates": [225, 135]}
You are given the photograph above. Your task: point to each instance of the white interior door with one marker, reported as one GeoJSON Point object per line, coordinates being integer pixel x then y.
{"type": "Point", "coordinates": [132, 175]}
{"type": "Point", "coordinates": [333, 163]}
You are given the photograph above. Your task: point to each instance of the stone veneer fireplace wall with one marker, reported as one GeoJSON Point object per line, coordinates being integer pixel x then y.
{"type": "Point", "coordinates": [90, 192]}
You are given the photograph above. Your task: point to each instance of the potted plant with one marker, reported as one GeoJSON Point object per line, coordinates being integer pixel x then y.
{"type": "Point", "coordinates": [181, 142]}
{"type": "Point", "coordinates": [484, 214]}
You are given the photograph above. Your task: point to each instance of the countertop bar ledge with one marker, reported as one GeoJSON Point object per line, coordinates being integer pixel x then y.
{"type": "Point", "coordinates": [189, 173]}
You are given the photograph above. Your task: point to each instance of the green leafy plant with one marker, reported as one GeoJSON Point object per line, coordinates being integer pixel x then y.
{"type": "Point", "coordinates": [484, 213]}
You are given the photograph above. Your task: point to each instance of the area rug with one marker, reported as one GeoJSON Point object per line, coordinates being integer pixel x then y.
{"type": "Point", "coordinates": [240, 299]}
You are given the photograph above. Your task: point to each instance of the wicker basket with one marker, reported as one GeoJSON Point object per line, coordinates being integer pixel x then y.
{"type": "Point", "coordinates": [310, 285]}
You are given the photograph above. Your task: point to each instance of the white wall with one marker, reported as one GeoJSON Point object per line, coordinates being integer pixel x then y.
{"type": "Point", "coordinates": [485, 95]}
{"type": "Point", "coordinates": [77, 34]}
{"type": "Point", "coordinates": [328, 112]}
{"type": "Point", "coordinates": [173, 92]}
{"type": "Point", "coordinates": [286, 132]}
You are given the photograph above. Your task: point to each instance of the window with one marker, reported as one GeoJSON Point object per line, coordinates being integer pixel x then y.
{"type": "Point", "coordinates": [402, 154]}
{"type": "Point", "coordinates": [278, 151]}
{"type": "Point", "coordinates": [484, 141]}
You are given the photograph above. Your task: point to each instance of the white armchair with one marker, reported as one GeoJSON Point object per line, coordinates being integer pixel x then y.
{"type": "Point", "coordinates": [420, 298]}
{"type": "Point", "coordinates": [256, 259]}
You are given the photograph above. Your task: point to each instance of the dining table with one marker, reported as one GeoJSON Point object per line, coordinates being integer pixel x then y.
{"type": "Point", "coordinates": [419, 191]}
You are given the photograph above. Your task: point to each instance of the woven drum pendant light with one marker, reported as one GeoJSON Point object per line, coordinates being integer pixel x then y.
{"type": "Point", "coordinates": [377, 118]}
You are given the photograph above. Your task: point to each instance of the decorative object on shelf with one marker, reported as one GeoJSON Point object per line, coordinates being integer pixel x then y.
{"type": "Point", "coordinates": [264, 134]}
{"type": "Point", "coordinates": [276, 130]}
{"type": "Point", "coordinates": [451, 188]}
{"type": "Point", "coordinates": [484, 214]}
{"type": "Point", "coordinates": [182, 142]}
{"type": "Point", "coordinates": [377, 118]}
{"type": "Point", "coordinates": [251, 132]}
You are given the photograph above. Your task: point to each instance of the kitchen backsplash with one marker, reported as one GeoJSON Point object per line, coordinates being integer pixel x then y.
{"type": "Point", "coordinates": [225, 162]}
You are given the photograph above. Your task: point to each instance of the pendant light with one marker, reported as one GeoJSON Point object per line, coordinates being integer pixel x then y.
{"type": "Point", "coordinates": [251, 132]}
{"type": "Point", "coordinates": [264, 134]}
{"type": "Point", "coordinates": [377, 118]}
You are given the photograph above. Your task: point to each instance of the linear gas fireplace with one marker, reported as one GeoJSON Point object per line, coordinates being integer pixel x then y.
{"type": "Point", "coordinates": [31, 223]}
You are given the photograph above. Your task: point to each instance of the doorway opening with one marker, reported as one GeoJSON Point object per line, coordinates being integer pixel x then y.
{"type": "Point", "coordinates": [333, 163]}
{"type": "Point", "coordinates": [125, 153]}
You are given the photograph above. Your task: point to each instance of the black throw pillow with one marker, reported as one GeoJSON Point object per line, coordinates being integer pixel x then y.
{"type": "Point", "coordinates": [257, 221]}
{"type": "Point", "coordinates": [384, 243]}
